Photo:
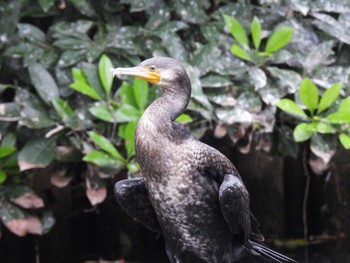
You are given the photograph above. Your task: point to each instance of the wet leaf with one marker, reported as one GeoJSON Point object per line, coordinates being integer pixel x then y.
{"type": "Point", "coordinates": [32, 33]}
{"type": "Point", "coordinates": [43, 82]}
{"type": "Point", "coordinates": [239, 52]}
{"type": "Point", "coordinates": [279, 39]}
{"type": "Point", "coordinates": [327, 76]}
{"type": "Point", "coordinates": [71, 57]}
{"type": "Point", "coordinates": [104, 69]}
{"type": "Point", "coordinates": [328, 97]}
{"type": "Point", "coordinates": [256, 32]}
{"type": "Point", "coordinates": [237, 31]}
{"type": "Point", "coordinates": [36, 153]}
{"type": "Point", "coordinates": [308, 93]}
{"type": "Point", "coordinates": [286, 78]}
{"type": "Point", "coordinates": [215, 81]}
{"type": "Point", "coordinates": [105, 144]}
{"type": "Point", "coordinates": [291, 107]}
{"type": "Point", "coordinates": [139, 5]}
{"type": "Point", "coordinates": [345, 140]}
{"type": "Point", "coordinates": [301, 132]}
{"type": "Point", "coordinates": [192, 11]}
{"type": "Point", "coordinates": [337, 6]}
{"type": "Point", "coordinates": [319, 55]}
{"type": "Point", "coordinates": [331, 26]}
{"type": "Point", "coordinates": [323, 146]}
{"type": "Point", "coordinates": [257, 77]}
{"type": "Point", "coordinates": [71, 43]}
{"type": "Point", "coordinates": [33, 112]}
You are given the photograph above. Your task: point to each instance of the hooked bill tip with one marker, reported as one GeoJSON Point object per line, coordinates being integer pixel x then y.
{"type": "Point", "coordinates": [115, 72]}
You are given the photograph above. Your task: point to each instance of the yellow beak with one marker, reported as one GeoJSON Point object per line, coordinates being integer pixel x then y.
{"type": "Point", "coordinates": [139, 72]}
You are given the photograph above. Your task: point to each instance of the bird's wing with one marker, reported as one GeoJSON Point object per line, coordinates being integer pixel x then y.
{"type": "Point", "coordinates": [233, 195]}
{"type": "Point", "coordinates": [132, 196]}
{"type": "Point", "coordinates": [234, 203]}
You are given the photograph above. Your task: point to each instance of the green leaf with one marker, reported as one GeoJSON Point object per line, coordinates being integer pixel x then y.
{"type": "Point", "coordinates": [129, 136]}
{"type": "Point", "coordinates": [279, 39]}
{"type": "Point", "coordinates": [291, 107]}
{"type": "Point", "coordinates": [102, 112]}
{"type": "Point", "coordinates": [301, 132]}
{"type": "Point", "coordinates": [345, 105]}
{"type": "Point", "coordinates": [256, 32]}
{"type": "Point", "coordinates": [3, 176]}
{"type": "Point", "coordinates": [32, 33]}
{"type": "Point", "coordinates": [62, 108]}
{"type": "Point", "coordinates": [37, 153]}
{"type": "Point", "coordinates": [85, 89]}
{"type": "Point", "coordinates": [9, 139]}
{"type": "Point", "coordinates": [345, 140]}
{"type": "Point", "coordinates": [320, 127]}
{"type": "Point", "coordinates": [46, 4]}
{"type": "Point", "coordinates": [339, 117]}
{"type": "Point", "coordinates": [101, 159]}
{"type": "Point", "coordinates": [184, 118]}
{"type": "Point", "coordinates": [236, 30]}
{"type": "Point", "coordinates": [127, 113]}
{"type": "Point", "coordinates": [141, 93]}
{"type": "Point", "coordinates": [105, 144]}
{"type": "Point", "coordinates": [43, 82]}
{"type": "Point", "coordinates": [6, 151]}
{"type": "Point", "coordinates": [328, 97]}
{"type": "Point", "coordinates": [106, 76]}
{"type": "Point", "coordinates": [239, 52]}
{"type": "Point", "coordinates": [308, 93]}
{"type": "Point", "coordinates": [127, 95]}
{"type": "Point", "coordinates": [79, 75]}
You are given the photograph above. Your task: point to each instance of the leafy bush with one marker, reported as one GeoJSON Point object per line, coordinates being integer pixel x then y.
{"type": "Point", "coordinates": [60, 107]}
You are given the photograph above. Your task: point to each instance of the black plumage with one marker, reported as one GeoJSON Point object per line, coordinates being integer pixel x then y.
{"type": "Point", "coordinates": [189, 192]}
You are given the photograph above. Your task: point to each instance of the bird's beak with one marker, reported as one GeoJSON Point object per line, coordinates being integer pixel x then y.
{"type": "Point", "coordinates": [139, 72]}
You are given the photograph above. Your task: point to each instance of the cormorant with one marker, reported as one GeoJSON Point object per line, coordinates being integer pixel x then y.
{"type": "Point", "coordinates": [189, 192]}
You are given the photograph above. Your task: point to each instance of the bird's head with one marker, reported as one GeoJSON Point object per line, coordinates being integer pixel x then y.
{"type": "Point", "coordinates": [165, 72]}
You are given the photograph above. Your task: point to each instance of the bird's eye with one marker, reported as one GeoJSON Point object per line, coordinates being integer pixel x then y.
{"type": "Point", "coordinates": [152, 68]}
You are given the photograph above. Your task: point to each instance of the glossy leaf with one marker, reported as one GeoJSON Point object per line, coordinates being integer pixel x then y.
{"type": "Point", "coordinates": [291, 107]}
{"type": "Point", "coordinates": [79, 75]}
{"type": "Point", "coordinates": [345, 140]}
{"type": "Point", "coordinates": [101, 159]}
{"type": "Point", "coordinates": [308, 93]}
{"type": "Point", "coordinates": [320, 127]}
{"type": "Point", "coordinates": [105, 144]}
{"type": "Point", "coordinates": [301, 132]}
{"type": "Point", "coordinates": [36, 153]}
{"type": "Point", "coordinates": [85, 89]}
{"type": "Point", "coordinates": [102, 112]}
{"type": "Point", "coordinates": [256, 32]}
{"type": "Point", "coordinates": [328, 97]}
{"type": "Point", "coordinates": [279, 39]}
{"type": "Point", "coordinates": [239, 52]}
{"type": "Point", "coordinates": [62, 108]}
{"type": "Point", "coordinates": [43, 82]}
{"type": "Point", "coordinates": [32, 33]}
{"type": "Point", "coordinates": [104, 69]}
{"type": "Point", "coordinates": [236, 30]}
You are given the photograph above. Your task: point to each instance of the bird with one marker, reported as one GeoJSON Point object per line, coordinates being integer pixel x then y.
{"type": "Point", "coordinates": [189, 192]}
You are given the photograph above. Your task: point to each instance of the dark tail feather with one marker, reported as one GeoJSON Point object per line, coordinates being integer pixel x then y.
{"type": "Point", "coordinates": [267, 254]}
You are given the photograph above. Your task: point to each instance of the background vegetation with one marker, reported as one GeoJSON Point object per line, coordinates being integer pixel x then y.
{"type": "Point", "coordinates": [265, 75]}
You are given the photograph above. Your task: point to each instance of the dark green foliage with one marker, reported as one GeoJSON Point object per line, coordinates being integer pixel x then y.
{"type": "Point", "coordinates": [60, 106]}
